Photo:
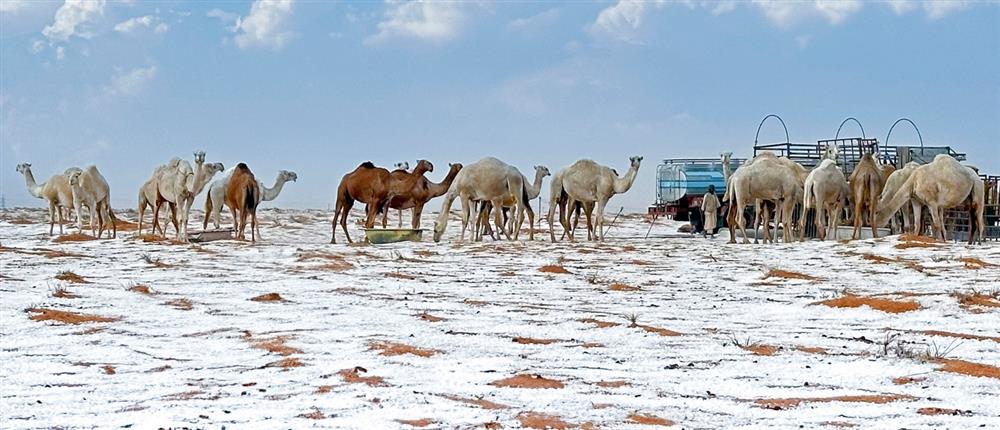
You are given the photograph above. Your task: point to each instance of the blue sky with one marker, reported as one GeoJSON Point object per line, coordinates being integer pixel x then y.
{"type": "Point", "coordinates": [318, 87]}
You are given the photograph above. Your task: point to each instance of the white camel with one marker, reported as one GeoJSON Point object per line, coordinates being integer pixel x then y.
{"type": "Point", "coordinates": [826, 190]}
{"type": "Point", "coordinates": [56, 192]}
{"type": "Point", "coordinates": [488, 179]}
{"type": "Point", "coordinates": [178, 187]}
{"type": "Point", "coordinates": [939, 185]}
{"type": "Point", "coordinates": [587, 182]}
{"type": "Point", "coordinates": [91, 189]}
{"type": "Point", "coordinates": [216, 197]}
{"type": "Point", "coordinates": [892, 185]}
{"type": "Point", "coordinates": [765, 177]}
{"type": "Point", "coordinates": [148, 195]}
{"type": "Point", "coordinates": [531, 192]}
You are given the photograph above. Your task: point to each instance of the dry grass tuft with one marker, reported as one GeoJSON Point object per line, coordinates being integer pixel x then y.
{"type": "Point", "coordinates": [599, 323]}
{"type": "Point", "coordinates": [532, 341]}
{"type": "Point", "coordinates": [316, 414]}
{"type": "Point", "coordinates": [423, 422]}
{"type": "Point", "coordinates": [182, 304]}
{"type": "Point", "coordinates": [553, 268]}
{"type": "Point", "coordinates": [967, 368]}
{"type": "Point", "coordinates": [527, 381]}
{"type": "Point", "coordinates": [611, 384]}
{"type": "Point", "coordinates": [647, 419]}
{"type": "Point", "coordinates": [333, 262]}
{"type": "Point", "coordinates": [974, 298]}
{"type": "Point", "coordinates": [155, 262]}
{"type": "Point", "coordinates": [275, 345]}
{"type": "Point", "coordinates": [908, 245]}
{"type": "Point", "coordinates": [622, 287]}
{"type": "Point", "coordinates": [976, 263]}
{"type": "Point", "coordinates": [789, 403]}
{"type": "Point", "coordinates": [108, 369]}
{"type": "Point", "coordinates": [778, 273]}
{"type": "Point", "coordinates": [538, 420]}
{"type": "Point", "coordinates": [71, 277]}
{"type": "Point", "coordinates": [812, 350]}
{"type": "Point", "coordinates": [141, 289]}
{"type": "Point", "coordinates": [353, 376]}
{"type": "Point", "coordinates": [657, 330]}
{"type": "Point", "coordinates": [884, 305]}
{"type": "Point", "coordinates": [63, 293]}
{"type": "Point", "coordinates": [400, 275]}
{"type": "Point", "coordinates": [392, 349]}
{"type": "Point", "coordinates": [960, 335]}
{"type": "Point", "coordinates": [430, 318]}
{"type": "Point", "coordinates": [323, 389]}
{"type": "Point", "coordinates": [269, 297]}
{"type": "Point", "coordinates": [75, 237]}
{"type": "Point", "coordinates": [485, 404]}
{"type": "Point", "coordinates": [65, 317]}
{"type": "Point", "coordinates": [286, 363]}
{"type": "Point", "coordinates": [903, 380]}
{"type": "Point", "coordinates": [942, 411]}
{"type": "Point", "coordinates": [761, 349]}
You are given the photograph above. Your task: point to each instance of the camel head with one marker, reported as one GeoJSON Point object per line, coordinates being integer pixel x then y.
{"type": "Point", "coordinates": [454, 167]}
{"type": "Point", "coordinates": [438, 231]}
{"type": "Point", "coordinates": [287, 175]}
{"type": "Point", "coordinates": [726, 156]}
{"type": "Point", "coordinates": [199, 157]}
{"type": "Point", "coordinates": [423, 166]}
{"type": "Point", "coordinates": [542, 170]}
{"type": "Point", "coordinates": [23, 167]}
{"type": "Point", "coordinates": [74, 176]}
{"type": "Point", "coordinates": [214, 168]}
{"type": "Point", "coordinates": [635, 160]}
{"type": "Point", "coordinates": [402, 165]}
{"type": "Point", "coordinates": [830, 152]}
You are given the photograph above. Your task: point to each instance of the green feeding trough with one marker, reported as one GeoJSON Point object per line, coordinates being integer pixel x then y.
{"type": "Point", "coordinates": [391, 235]}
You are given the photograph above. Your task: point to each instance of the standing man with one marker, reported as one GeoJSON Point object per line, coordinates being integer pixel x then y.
{"type": "Point", "coordinates": [710, 211]}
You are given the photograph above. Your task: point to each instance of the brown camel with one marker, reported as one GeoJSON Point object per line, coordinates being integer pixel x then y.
{"type": "Point", "coordinates": [242, 195]}
{"type": "Point", "coordinates": [367, 184]}
{"type": "Point", "coordinates": [422, 193]}
{"type": "Point", "coordinates": [408, 189]}
{"type": "Point", "coordinates": [866, 184]}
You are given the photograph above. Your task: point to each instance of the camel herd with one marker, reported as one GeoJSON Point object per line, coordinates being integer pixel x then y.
{"type": "Point", "coordinates": [488, 185]}
{"type": "Point", "coordinates": [491, 187]}
{"type": "Point", "coordinates": [878, 193]}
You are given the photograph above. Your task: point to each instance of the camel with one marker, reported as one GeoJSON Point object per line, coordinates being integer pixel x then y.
{"type": "Point", "coordinates": [420, 194]}
{"type": "Point", "coordinates": [408, 190]}
{"type": "Point", "coordinates": [148, 196]}
{"type": "Point", "coordinates": [92, 190]}
{"type": "Point", "coordinates": [588, 182]}
{"type": "Point", "coordinates": [217, 195]}
{"type": "Point", "coordinates": [941, 184]}
{"type": "Point", "coordinates": [404, 166]}
{"type": "Point", "coordinates": [56, 191]}
{"type": "Point", "coordinates": [825, 190]}
{"type": "Point", "coordinates": [179, 186]}
{"type": "Point", "coordinates": [242, 197]}
{"type": "Point", "coordinates": [892, 184]}
{"type": "Point", "coordinates": [367, 184]}
{"type": "Point", "coordinates": [531, 192]}
{"type": "Point", "coordinates": [559, 198]}
{"type": "Point", "coordinates": [488, 179]}
{"type": "Point", "coordinates": [765, 177]}
{"type": "Point", "coordinates": [866, 186]}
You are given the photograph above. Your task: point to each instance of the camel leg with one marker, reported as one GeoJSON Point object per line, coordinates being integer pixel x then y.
{"type": "Point", "coordinates": [588, 213]}
{"type": "Point", "coordinates": [343, 218]}
{"type": "Point", "coordinates": [918, 222]}
{"type": "Point", "coordinates": [385, 218]}
{"type": "Point", "coordinates": [757, 207]}
{"type": "Point", "coordinates": [599, 222]}
{"type": "Point", "coordinates": [786, 217]}
{"type": "Point", "coordinates": [498, 218]}
{"type": "Point", "coordinates": [466, 213]}
{"type": "Point", "coordinates": [570, 231]}
{"type": "Point", "coordinates": [52, 216]}
{"type": "Point", "coordinates": [156, 217]}
{"type": "Point", "coordinates": [416, 212]}
{"type": "Point", "coordinates": [907, 219]}
{"type": "Point", "coordinates": [742, 220]}
{"type": "Point", "coordinates": [253, 225]}
{"type": "Point", "coordinates": [552, 212]}
{"type": "Point", "coordinates": [820, 222]}
{"type": "Point", "coordinates": [400, 212]}
{"type": "Point", "coordinates": [236, 223]}
{"type": "Point", "coordinates": [872, 213]}
{"type": "Point", "coordinates": [140, 211]}
{"type": "Point", "coordinates": [531, 222]}
{"type": "Point", "coordinates": [937, 224]}
{"type": "Point", "coordinates": [858, 207]}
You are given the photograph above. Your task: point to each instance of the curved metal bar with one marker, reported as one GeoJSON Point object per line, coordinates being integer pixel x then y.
{"type": "Point", "coordinates": [787, 140]}
{"type": "Point", "coordinates": [914, 127]}
{"type": "Point", "coordinates": [856, 122]}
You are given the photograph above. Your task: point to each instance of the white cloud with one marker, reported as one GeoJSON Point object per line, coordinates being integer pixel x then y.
{"type": "Point", "coordinates": [622, 20]}
{"type": "Point", "coordinates": [148, 21]}
{"type": "Point", "coordinates": [60, 53]}
{"type": "Point", "coordinates": [37, 46]}
{"type": "Point", "coordinates": [788, 13]}
{"type": "Point", "coordinates": [901, 6]}
{"type": "Point", "coordinates": [433, 21]}
{"type": "Point", "coordinates": [130, 83]}
{"type": "Point", "coordinates": [532, 24]}
{"type": "Point", "coordinates": [723, 7]}
{"type": "Point", "coordinates": [14, 6]}
{"type": "Point", "coordinates": [940, 9]}
{"type": "Point", "coordinates": [73, 14]}
{"type": "Point", "coordinates": [265, 26]}
{"type": "Point", "coordinates": [227, 18]}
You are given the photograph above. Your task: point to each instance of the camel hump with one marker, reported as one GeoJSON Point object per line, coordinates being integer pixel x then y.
{"type": "Point", "coordinates": [367, 165]}
{"type": "Point", "coordinates": [242, 166]}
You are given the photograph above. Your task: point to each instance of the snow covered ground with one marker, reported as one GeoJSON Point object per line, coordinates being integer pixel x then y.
{"type": "Point", "coordinates": [630, 331]}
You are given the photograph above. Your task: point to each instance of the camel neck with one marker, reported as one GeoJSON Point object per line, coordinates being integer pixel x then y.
{"type": "Point", "coordinates": [33, 187]}
{"type": "Point", "coordinates": [536, 187]}
{"type": "Point", "coordinates": [272, 193]}
{"type": "Point", "coordinates": [440, 188]}
{"type": "Point", "coordinates": [623, 184]}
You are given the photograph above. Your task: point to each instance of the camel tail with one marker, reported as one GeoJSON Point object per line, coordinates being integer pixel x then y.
{"type": "Point", "coordinates": [208, 209]}
{"type": "Point", "coordinates": [807, 201]}
{"type": "Point", "coordinates": [886, 209]}
{"type": "Point", "coordinates": [250, 197]}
